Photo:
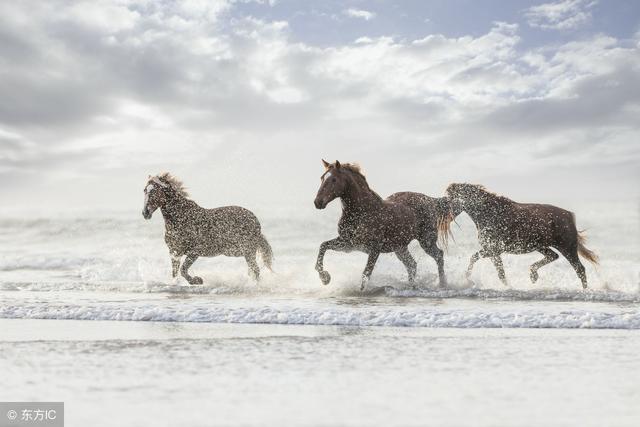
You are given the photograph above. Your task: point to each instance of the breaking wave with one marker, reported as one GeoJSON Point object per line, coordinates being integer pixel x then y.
{"type": "Point", "coordinates": [436, 318]}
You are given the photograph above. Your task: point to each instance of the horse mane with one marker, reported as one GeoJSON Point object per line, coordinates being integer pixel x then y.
{"type": "Point", "coordinates": [490, 194]}
{"type": "Point", "coordinates": [174, 182]}
{"type": "Point", "coordinates": [445, 216]}
{"type": "Point", "coordinates": [356, 169]}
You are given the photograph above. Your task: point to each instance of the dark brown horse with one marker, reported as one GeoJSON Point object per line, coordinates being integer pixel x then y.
{"type": "Point", "coordinates": [193, 231]}
{"type": "Point", "coordinates": [505, 226]}
{"type": "Point", "coordinates": [372, 225]}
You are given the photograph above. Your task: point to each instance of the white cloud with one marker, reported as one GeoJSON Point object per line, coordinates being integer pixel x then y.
{"type": "Point", "coordinates": [560, 15]}
{"type": "Point", "coordinates": [168, 88]}
{"type": "Point", "coordinates": [359, 13]}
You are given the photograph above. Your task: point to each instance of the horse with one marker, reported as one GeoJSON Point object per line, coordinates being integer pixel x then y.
{"type": "Point", "coordinates": [505, 226]}
{"type": "Point", "coordinates": [193, 231]}
{"type": "Point", "coordinates": [372, 225]}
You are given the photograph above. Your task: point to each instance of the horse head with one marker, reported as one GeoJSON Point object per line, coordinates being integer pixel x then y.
{"type": "Point", "coordinates": [463, 196]}
{"type": "Point", "coordinates": [333, 184]}
{"type": "Point", "coordinates": [155, 195]}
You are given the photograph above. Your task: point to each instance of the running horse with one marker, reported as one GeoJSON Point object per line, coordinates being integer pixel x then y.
{"type": "Point", "coordinates": [505, 226]}
{"type": "Point", "coordinates": [193, 231]}
{"type": "Point", "coordinates": [374, 225]}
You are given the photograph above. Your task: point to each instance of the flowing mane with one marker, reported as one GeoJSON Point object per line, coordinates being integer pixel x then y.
{"type": "Point", "coordinates": [478, 192]}
{"type": "Point", "coordinates": [176, 184]}
{"type": "Point", "coordinates": [490, 194]}
{"type": "Point", "coordinates": [357, 171]}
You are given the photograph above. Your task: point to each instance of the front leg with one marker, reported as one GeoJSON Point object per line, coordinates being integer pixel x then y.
{"type": "Point", "coordinates": [336, 244]}
{"type": "Point", "coordinates": [474, 258]}
{"type": "Point", "coordinates": [371, 262]}
{"type": "Point", "coordinates": [497, 262]}
{"type": "Point", "coordinates": [175, 264]}
{"type": "Point", "coordinates": [184, 270]}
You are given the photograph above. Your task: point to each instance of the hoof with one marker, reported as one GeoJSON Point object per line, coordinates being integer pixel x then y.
{"type": "Point", "coordinates": [325, 277]}
{"type": "Point", "coordinates": [584, 286]}
{"type": "Point", "coordinates": [196, 281]}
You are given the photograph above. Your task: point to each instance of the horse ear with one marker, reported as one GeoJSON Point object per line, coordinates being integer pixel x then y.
{"type": "Point", "coordinates": [337, 164]}
{"type": "Point", "coordinates": [325, 164]}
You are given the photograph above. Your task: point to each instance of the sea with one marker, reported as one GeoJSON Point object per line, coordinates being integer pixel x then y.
{"type": "Point", "coordinates": [89, 315]}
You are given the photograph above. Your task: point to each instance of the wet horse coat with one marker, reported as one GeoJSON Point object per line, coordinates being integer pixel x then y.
{"type": "Point", "coordinates": [193, 231]}
{"type": "Point", "coordinates": [505, 226]}
{"type": "Point", "coordinates": [372, 225]}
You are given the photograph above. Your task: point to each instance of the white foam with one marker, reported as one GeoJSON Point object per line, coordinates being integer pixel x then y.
{"type": "Point", "coordinates": [438, 318]}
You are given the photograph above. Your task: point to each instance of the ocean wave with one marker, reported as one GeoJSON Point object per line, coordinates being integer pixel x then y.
{"type": "Point", "coordinates": [435, 318]}
{"type": "Point", "coordinates": [247, 288]}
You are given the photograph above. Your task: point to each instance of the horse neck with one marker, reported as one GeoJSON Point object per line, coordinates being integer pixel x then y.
{"type": "Point", "coordinates": [178, 209]}
{"type": "Point", "coordinates": [358, 198]}
{"type": "Point", "coordinates": [487, 210]}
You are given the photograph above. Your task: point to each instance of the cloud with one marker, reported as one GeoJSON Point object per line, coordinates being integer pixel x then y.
{"type": "Point", "coordinates": [128, 88]}
{"type": "Point", "coordinates": [359, 13]}
{"type": "Point", "coordinates": [560, 15]}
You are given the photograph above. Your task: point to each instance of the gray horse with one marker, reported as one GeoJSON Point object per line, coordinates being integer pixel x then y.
{"type": "Point", "coordinates": [193, 231]}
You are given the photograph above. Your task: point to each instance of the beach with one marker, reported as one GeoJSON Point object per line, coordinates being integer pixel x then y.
{"type": "Point", "coordinates": [197, 374]}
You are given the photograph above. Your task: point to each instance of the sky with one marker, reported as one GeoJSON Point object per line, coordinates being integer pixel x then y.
{"type": "Point", "coordinates": [536, 100]}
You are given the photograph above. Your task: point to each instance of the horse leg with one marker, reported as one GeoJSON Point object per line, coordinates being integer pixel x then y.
{"type": "Point", "coordinates": [410, 264]}
{"type": "Point", "coordinates": [368, 269]}
{"type": "Point", "coordinates": [474, 258]}
{"type": "Point", "coordinates": [175, 264]}
{"type": "Point", "coordinates": [333, 244]}
{"type": "Point", "coordinates": [436, 253]}
{"type": "Point", "coordinates": [497, 262]}
{"type": "Point", "coordinates": [549, 256]}
{"type": "Point", "coordinates": [572, 256]}
{"type": "Point", "coordinates": [184, 270]}
{"type": "Point", "coordinates": [254, 270]}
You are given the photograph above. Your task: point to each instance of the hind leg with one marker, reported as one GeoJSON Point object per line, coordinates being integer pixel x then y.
{"type": "Point", "coordinates": [184, 270]}
{"type": "Point", "coordinates": [430, 247]}
{"type": "Point", "coordinates": [410, 264]}
{"type": "Point", "coordinates": [549, 256]}
{"type": "Point", "coordinates": [572, 256]}
{"type": "Point", "coordinates": [254, 270]}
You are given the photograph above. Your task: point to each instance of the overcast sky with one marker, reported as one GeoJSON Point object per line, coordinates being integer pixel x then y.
{"type": "Point", "coordinates": [539, 101]}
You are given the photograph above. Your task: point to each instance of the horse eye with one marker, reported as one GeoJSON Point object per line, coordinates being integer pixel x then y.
{"type": "Point", "coordinates": [333, 180]}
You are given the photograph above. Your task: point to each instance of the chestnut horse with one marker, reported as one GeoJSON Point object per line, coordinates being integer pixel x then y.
{"type": "Point", "coordinates": [193, 231]}
{"type": "Point", "coordinates": [372, 225]}
{"type": "Point", "coordinates": [505, 226]}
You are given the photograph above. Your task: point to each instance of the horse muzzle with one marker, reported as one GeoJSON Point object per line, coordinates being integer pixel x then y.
{"type": "Point", "coordinates": [146, 214]}
{"type": "Point", "coordinates": [320, 204]}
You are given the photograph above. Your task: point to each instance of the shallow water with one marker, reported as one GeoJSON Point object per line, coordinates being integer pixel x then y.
{"type": "Point", "coordinates": [88, 315]}
{"type": "Point", "coordinates": [114, 266]}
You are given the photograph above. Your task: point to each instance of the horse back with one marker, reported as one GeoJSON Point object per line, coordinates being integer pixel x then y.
{"type": "Point", "coordinates": [541, 224]}
{"type": "Point", "coordinates": [209, 232]}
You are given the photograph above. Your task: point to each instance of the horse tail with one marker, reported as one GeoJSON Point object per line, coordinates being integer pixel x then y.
{"type": "Point", "coordinates": [444, 218]}
{"type": "Point", "coordinates": [264, 248]}
{"type": "Point", "coordinates": [587, 254]}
